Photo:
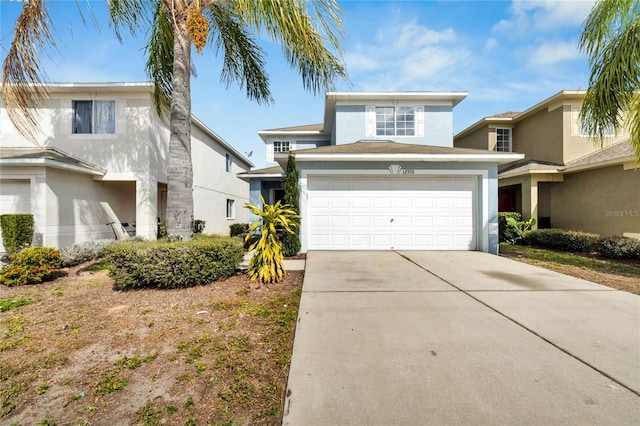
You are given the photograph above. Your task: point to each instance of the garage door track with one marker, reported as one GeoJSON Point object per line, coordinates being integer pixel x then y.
{"type": "Point", "coordinates": [449, 338]}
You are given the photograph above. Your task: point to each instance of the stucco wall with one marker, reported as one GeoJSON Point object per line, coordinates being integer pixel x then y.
{"type": "Point", "coordinates": [539, 136]}
{"type": "Point", "coordinates": [475, 140]}
{"type": "Point", "coordinates": [213, 185]}
{"type": "Point", "coordinates": [79, 208]}
{"type": "Point", "coordinates": [350, 125]}
{"type": "Point", "coordinates": [604, 201]}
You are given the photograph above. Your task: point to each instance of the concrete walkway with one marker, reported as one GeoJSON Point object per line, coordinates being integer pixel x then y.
{"type": "Point", "coordinates": [448, 338]}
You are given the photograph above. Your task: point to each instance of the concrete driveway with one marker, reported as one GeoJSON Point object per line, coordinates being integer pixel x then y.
{"type": "Point", "coordinates": [448, 338]}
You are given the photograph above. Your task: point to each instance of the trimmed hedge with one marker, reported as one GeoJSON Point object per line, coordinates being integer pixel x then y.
{"type": "Point", "coordinates": [560, 239]}
{"type": "Point", "coordinates": [31, 266]}
{"type": "Point", "coordinates": [619, 247]}
{"type": "Point", "coordinates": [17, 231]}
{"type": "Point", "coordinates": [506, 232]}
{"type": "Point", "coordinates": [164, 265]}
{"type": "Point", "coordinates": [238, 229]}
{"type": "Point", "coordinates": [78, 253]}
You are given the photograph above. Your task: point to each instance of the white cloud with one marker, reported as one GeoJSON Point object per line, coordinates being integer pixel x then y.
{"type": "Point", "coordinates": [406, 56]}
{"type": "Point", "coordinates": [543, 15]}
{"type": "Point", "coordinates": [553, 52]}
{"type": "Point", "coordinates": [490, 44]}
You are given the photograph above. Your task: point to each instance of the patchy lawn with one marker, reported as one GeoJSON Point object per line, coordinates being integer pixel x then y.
{"type": "Point", "coordinates": [619, 274]}
{"type": "Point", "coordinates": [73, 351]}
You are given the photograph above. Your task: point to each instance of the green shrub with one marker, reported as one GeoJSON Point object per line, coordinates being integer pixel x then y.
{"type": "Point", "coordinates": [291, 240]}
{"type": "Point", "coordinates": [164, 265]}
{"type": "Point", "coordinates": [505, 232]}
{"type": "Point", "coordinates": [238, 229]}
{"type": "Point", "coordinates": [560, 239]}
{"type": "Point", "coordinates": [619, 247]}
{"type": "Point", "coordinates": [162, 230]}
{"type": "Point", "coordinates": [31, 266]}
{"type": "Point", "coordinates": [17, 231]}
{"type": "Point", "coordinates": [78, 253]}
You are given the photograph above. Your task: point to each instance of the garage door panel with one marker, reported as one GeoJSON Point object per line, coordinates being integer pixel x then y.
{"type": "Point", "coordinates": [340, 221]}
{"type": "Point", "coordinates": [361, 240]}
{"type": "Point", "coordinates": [360, 202]}
{"type": "Point", "coordinates": [391, 213]}
{"type": "Point", "coordinates": [341, 202]}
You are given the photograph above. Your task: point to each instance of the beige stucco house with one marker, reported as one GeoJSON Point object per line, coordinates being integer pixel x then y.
{"type": "Point", "coordinates": [101, 157]}
{"type": "Point", "coordinates": [567, 178]}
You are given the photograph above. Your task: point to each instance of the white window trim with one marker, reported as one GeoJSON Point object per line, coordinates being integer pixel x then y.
{"type": "Point", "coordinates": [271, 149]}
{"type": "Point", "coordinates": [370, 120]}
{"type": "Point", "coordinates": [230, 208]}
{"type": "Point", "coordinates": [228, 162]}
{"type": "Point", "coordinates": [66, 119]}
{"type": "Point", "coordinates": [577, 129]}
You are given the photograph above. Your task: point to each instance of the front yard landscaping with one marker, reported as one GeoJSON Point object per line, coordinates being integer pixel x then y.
{"type": "Point", "coordinates": [75, 352]}
{"type": "Point", "coordinates": [623, 274]}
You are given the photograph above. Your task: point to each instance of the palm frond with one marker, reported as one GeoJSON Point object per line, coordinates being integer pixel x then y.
{"type": "Point", "coordinates": [132, 15]}
{"type": "Point", "coordinates": [289, 24]}
{"type": "Point", "coordinates": [23, 89]}
{"type": "Point", "coordinates": [243, 59]}
{"type": "Point", "coordinates": [159, 52]}
{"type": "Point", "coordinates": [611, 39]}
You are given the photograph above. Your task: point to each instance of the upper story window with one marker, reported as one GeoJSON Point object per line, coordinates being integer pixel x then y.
{"type": "Point", "coordinates": [281, 146]}
{"type": "Point", "coordinates": [503, 140]}
{"type": "Point", "coordinates": [229, 162]}
{"type": "Point", "coordinates": [578, 128]}
{"type": "Point", "coordinates": [94, 117]}
{"type": "Point", "coordinates": [395, 120]}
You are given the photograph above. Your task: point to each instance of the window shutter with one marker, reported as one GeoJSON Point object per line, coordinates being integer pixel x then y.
{"type": "Point", "coordinates": [370, 120]}
{"type": "Point", "coordinates": [121, 118]}
{"type": "Point", "coordinates": [270, 152]}
{"type": "Point", "coordinates": [66, 116]}
{"type": "Point", "coordinates": [576, 125]}
{"type": "Point", "coordinates": [419, 120]}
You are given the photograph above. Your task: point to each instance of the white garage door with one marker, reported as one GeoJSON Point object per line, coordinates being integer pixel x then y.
{"type": "Point", "coordinates": [391, 213]}
{"type": "Point", "coordinates": [15, 197]}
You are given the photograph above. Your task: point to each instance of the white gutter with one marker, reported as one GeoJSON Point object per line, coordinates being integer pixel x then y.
{"type": "Point", "coordinates": [466, 158]}
{"type": "Point", "coordinates": [47, 162]}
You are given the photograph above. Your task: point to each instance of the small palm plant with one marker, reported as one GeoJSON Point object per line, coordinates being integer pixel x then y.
{"type": "Point", "coordinates": [267, 263]}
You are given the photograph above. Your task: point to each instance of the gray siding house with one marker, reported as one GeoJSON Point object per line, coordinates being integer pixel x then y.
{"type": "Point", "coordinates": [381, 173]}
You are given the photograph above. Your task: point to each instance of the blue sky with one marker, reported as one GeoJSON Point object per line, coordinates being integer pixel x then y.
{"type": "Point", "coordinates": [509, 55]}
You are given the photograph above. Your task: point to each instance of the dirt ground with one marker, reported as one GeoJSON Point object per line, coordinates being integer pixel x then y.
{"type": "Point", "coordinates": [82, 353]}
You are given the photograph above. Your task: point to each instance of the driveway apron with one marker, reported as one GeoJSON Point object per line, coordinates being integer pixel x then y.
{"type": "Point", "coordinates": [459, 338]}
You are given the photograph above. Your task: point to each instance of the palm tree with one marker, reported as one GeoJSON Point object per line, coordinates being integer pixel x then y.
{"type": "Point", "coordinates": [611, 38]}
{"type": "Point", "coordinates": [308, 32]}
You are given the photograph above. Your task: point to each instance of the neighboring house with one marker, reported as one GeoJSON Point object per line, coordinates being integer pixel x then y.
{"type": "Point", "coordinates": [566, 180]}
{"type": "Point", "coordinates": [101, 157]}
{"type": "Point", "coordinates": [381, 173]}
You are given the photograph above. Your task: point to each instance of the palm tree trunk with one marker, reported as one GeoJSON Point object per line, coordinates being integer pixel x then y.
{"type": "Point", "coordinates": [180, 167]}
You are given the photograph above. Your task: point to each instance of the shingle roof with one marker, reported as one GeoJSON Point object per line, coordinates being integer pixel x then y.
{"type": "Point", "coordinates": [266, 171]}
{"type": "Point", "coordinates": [390, 147]}
{"type": "Point", "coordinates": [618, 151]}
{"type": "Point", "coordinates": [506, 114]}
{"type": "Point", "coordinates": [19, 156]}
{"type": "Point", "coordinates": [303, 128]}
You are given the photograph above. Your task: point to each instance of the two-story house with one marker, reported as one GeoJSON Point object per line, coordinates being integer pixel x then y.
{"type": "Point", "coordinates": [567, 179]}
{"type": "Point", "coordinates": [381, 173]}
{"type": "Point", "coordinates": [101, 157]}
